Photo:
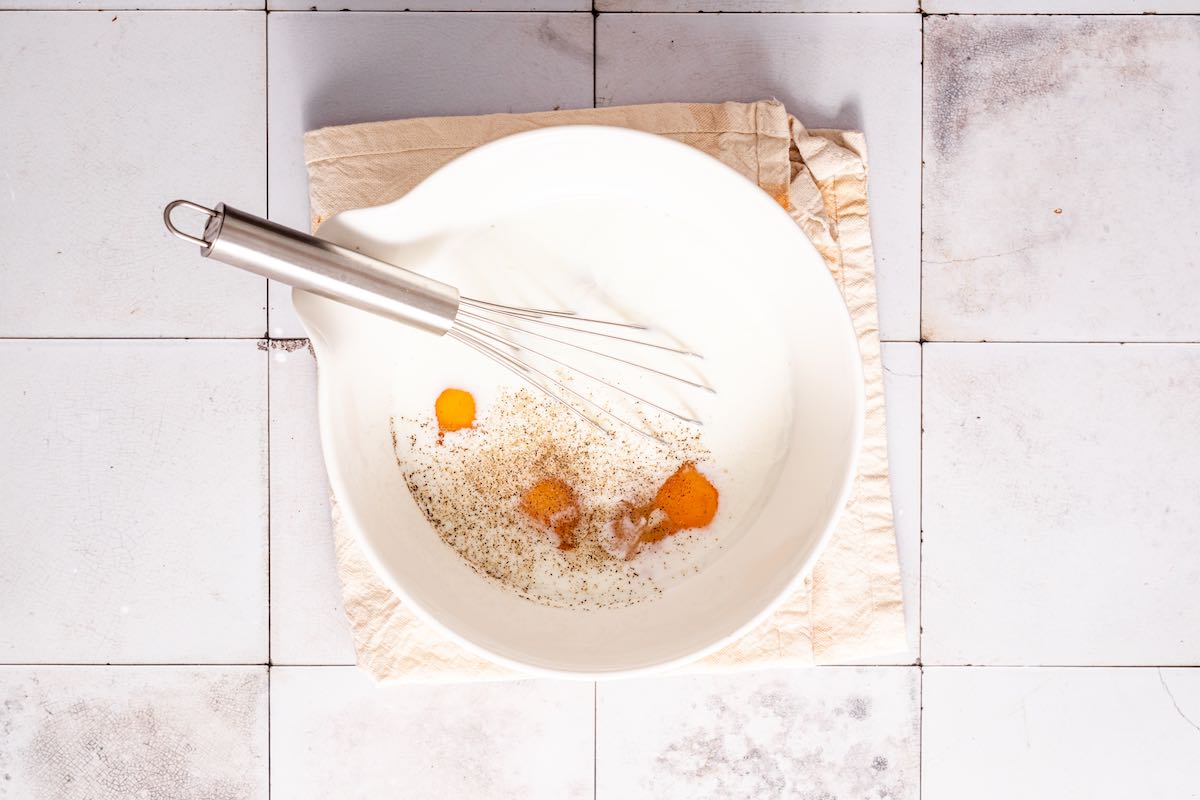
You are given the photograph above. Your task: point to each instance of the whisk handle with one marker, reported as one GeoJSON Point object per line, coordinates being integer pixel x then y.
{"type": "Point", "coordinates": [323, 268]}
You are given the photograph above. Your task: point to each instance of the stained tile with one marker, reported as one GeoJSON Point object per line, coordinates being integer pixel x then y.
{"type": "Point", "coordinates": [118, 5]}
{"type": "Point", "coordinates": [825, 732]}
{"type": "Point", "coordinates": [135, 499]}
{"type": "Point", "coordinates": [100, 733]}
{"type": "Point", "coordinates": [1058, 6]}
{"type": "Point", "coordinates": [1060, 504]}
{"type": "Point", "coordinates": [308, 622]}
{"type": "Point", "coordinates": [1037, 734]}
{"type": "Point", "coordinates": [335, 734]}
{"type": "Point", "coordinates": [1058, 199]}
{"type": "Point", "coordinates": [148, 5]}
{"type": "Point", "coordinates": [331, 69]}
{"type": "Point", "coordinates": [117, 115]}
{"type": "Point", "coordinates": [860, 71]}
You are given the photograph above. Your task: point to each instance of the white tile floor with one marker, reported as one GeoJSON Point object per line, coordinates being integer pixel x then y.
{"type": "Point", "coordinates": [833, 732]}
{"type": "Point", "coordinates": [529, 739]}
{"type": "Point", "coordinates": [165, 565]}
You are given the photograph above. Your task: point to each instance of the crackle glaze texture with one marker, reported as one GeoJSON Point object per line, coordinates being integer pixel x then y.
{"type": "Point", "coordinates": [75, 733]}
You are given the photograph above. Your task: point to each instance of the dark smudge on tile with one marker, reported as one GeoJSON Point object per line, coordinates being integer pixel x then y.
{"type": "Point", "coordinates": [548, 33]}
{"type": "Point", "coordinates": [977, 68]}
{"type": "Point", "coordinates": [858, 707]}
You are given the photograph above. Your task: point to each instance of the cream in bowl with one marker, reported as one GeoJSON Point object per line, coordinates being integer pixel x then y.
{"type": "Point", "coordinates": [513, 526]}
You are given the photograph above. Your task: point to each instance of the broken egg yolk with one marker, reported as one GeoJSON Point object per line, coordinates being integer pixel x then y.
{"type": "Point", "coordinates": [552, 504]}
{"type": "Point", "coordinates": [455, 409]}
{"type": "Point", "coordinates": [687, 498]}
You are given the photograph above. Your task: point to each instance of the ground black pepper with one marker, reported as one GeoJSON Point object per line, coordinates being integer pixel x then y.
{"type": "Point", "coordinates": [469, 488]}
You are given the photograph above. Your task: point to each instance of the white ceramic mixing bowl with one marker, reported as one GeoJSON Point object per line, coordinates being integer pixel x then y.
{"type": "Point", "coordinates": [357, 354]}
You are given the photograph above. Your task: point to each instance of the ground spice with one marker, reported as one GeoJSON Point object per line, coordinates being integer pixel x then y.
{"type": "Point", "coordinates": [471, 489]}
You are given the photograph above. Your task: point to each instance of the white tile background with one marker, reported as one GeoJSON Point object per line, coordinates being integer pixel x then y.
{"type": "Point", "coordinates": [833, 732]}
{"type": "Point", "coordinates": [166, 573]}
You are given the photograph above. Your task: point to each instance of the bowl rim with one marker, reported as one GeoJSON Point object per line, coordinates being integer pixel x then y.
{"type": "Point", "coordinates": [326, 381]}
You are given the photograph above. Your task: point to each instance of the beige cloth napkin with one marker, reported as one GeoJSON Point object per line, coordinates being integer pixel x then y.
{"type": "Point", "coordinates": [850, 608]}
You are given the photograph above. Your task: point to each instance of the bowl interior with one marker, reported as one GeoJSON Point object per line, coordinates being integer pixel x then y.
{"type": "Point", "coordinates": [747, 238]}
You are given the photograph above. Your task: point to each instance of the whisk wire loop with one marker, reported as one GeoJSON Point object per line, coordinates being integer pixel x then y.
{"type": "Point", "coordinates": [466, 326]}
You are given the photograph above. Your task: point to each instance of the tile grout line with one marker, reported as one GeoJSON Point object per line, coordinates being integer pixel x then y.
{"type": "Point", "coordinates": [267, 353]}
{"type": "Point", "coordinates": [267, 290]}
{"type": "Point", "coordinates": [848, 665]}
{"type": "Point", "coordinates": [205, 9]}
{"type": "Point", "coordinates": [1079, 342]}
{"type": "Point", "coordinates": [595, 37]}
{"type": "Point", "coordinates": [921, 363]}
{"type": "Point", "coordinates": [921, 571]}
{"type": "Point", "coordinates": [921, 428]}
{"type": "Point", "coordinates": [266, 339]}
{"type": "Point", "coordinates": [920, 732]}
{"type": "Point", "coordinates": [267, 136]}
{"type": "Point", "coordinates": [335, 11]}
{"type": "Point", "coordinates": [921, 555]}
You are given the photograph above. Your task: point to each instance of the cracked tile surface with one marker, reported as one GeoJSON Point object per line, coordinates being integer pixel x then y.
{"type": "Point", "coordinates": [1031, 732]}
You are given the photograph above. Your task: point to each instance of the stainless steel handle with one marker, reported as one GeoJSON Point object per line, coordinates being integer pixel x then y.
{"type": "Point", "coordinates": [323, 268]}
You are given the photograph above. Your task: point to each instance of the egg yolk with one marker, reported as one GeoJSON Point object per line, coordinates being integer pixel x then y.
{"type": "Point", "coordinates": [455, 409]}
{"type": "Point", "coordinates": [552, 504]}
{"type": "Point", "coordinates": [687, 498]}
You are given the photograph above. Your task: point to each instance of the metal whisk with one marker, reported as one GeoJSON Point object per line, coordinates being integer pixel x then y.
{"type": "Point", "coordinates": [494, 330]}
